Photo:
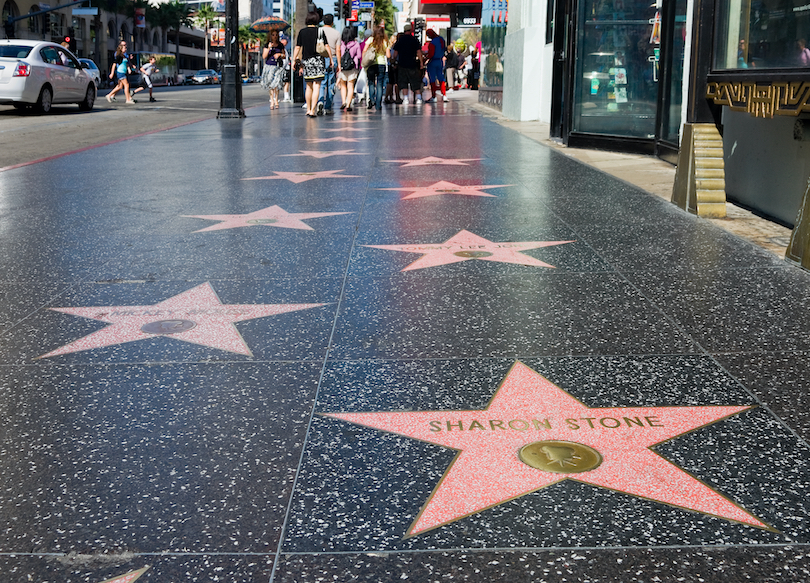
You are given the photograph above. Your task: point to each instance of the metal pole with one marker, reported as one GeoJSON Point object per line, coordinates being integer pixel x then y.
{"type": "Point", "coordinates": [230, 101]}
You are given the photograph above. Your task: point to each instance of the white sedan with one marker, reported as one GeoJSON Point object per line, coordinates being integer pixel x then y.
{"type": "Point", "coordinates": [41, 74]}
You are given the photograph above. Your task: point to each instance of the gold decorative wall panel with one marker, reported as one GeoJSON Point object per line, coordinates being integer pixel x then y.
{"type": "Point", "coordinates": [762, 100]}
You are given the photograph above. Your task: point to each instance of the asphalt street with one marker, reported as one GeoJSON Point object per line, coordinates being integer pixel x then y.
{"type": "Point", "coordinates": [28, 136]}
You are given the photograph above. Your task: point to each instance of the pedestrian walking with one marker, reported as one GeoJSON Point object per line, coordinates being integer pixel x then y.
{"type": "Point", "coordinates": [361, 87]}
{"type": "Point", "coordinates": [451, 66]}
{"type": "Point", "coordinates": [408, 54]}
{"type": "Point", "coordinates": [327, 93]}
{"type": "Point", "coordinates": [146, 77]}
{"type": "Point", "coordinates": [391, 88]}
{"type": "Point", "coordinates": [286, 76]}
{"type": "Point", "coordinates": [348, 58]}
{"type": "Point", "coordinates": [309, 61]}
{"type": "Point", "coordinates": [374, 59]}
{"type": "Point", "coordinates": [119, 70]}
{"type": "Point", "coordinates": [437, 48]}
{"type": "Point", "coordinates": [474, 71]}
{"type": "Point", "coordinates": [274, 57]}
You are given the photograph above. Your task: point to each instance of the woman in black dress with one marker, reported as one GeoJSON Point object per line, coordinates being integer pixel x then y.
{"type": "Point", "coordinates": [307, 58]}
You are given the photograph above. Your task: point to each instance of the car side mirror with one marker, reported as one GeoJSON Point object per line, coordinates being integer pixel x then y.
{"type": "Point", "coordinates": [85, 66]}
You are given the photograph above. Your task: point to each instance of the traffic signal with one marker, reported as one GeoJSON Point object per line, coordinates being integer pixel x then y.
{"type": "Point", "coordinates": [70, 39]}
{"type": "Point", "coordinates": [337, 9]}
{"type": "Point", "coordinates": [347, 9]}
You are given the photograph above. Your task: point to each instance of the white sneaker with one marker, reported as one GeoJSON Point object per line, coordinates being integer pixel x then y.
{"type": "Point", "coordinates": [445, 98]}
{"type": "Point", "coordinates": [405, 101]}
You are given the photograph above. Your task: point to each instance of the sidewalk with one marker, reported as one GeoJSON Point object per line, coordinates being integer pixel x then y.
{"type": "Point", "coordinates": [647, 172]}
{"type": "Point", "coordinates": [345, 349]}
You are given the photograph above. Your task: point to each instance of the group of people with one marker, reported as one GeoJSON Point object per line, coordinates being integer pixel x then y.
{"type": "Point", "coordinates": [391, 69]}
{"type": "Point", "coordinates": [121, 67]}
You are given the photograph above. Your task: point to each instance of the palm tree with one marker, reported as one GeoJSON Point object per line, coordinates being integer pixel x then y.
{"type": "Point", "coordinates": [204, 17]}
{"type": "Point", "coordinates": [173, 15]}
{"type": "Point", "coordinates": [130, 8]}
{"type": "Point", "coordinates": [161, 17]}
{"type": "Point", "coordinates": [245, 36]}
{"type": "Point", "coordinates": [385, 11]}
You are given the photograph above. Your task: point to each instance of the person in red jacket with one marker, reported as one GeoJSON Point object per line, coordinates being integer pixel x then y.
{"type": "Point", "coordinates": [437, 49]}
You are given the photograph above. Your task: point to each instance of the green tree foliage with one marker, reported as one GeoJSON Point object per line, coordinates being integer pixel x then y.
{"type": "Point", "coordinates": [244, 36]}
{"type": "Point", "coordinates": [161, 16]}
{"type": "Point", "coordinates": [129, 11]}
{"type": "Point", "coordinates": [204, 17]}
{"type": "Point", "coordinates": [384, 11]}
{"type": "Point", "coordinates": [172, 16]}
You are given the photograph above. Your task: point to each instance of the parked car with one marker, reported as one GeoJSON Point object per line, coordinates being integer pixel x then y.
{"type": "Point", "coordinates": [205, 77]}
{"type": "Point", "coordinates": [41, 74]}
{"type": "Point", "coordinates": [89, 66]}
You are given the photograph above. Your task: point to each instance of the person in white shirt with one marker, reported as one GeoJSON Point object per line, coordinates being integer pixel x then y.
{"type": "Point", "coordinates": [146, 76]}
{"type": "Point", "coordinates": [327, 94]}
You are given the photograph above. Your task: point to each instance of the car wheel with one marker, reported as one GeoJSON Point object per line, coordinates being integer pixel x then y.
{"type": "Point", "coordinates": [45, 100]}
{"type": "Point", "coordinates": [89, 99]}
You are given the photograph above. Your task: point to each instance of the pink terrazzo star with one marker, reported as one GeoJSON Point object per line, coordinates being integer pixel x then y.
{"type": "Point", "coordinates": [527, 409]}
{"type": "Point", "coordinates": [128, 577]}
{"type": "Point", "coordinates": [443, 187]}
{"type": "Point", "coordinates": [299, 177]}
{"type": "Point", "coordinates": [464, 246]}
{"type": "Point", "coordinates": [319, 155]}
{"type": "Point", "coordinates": [335, 139]}
{"type": "Point", "coordinates": [272, 216]}
{"type": "Point", "coordinates": [196, 316]}
{"type": "Point", "coordinates": [434, 161]}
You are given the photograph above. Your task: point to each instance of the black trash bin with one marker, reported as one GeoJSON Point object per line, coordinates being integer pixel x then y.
{"type": "Point", "coordinates": [298, 88]}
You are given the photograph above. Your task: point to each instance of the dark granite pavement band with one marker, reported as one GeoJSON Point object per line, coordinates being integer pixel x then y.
{"type": "Point", "coordinates": [193, 437]}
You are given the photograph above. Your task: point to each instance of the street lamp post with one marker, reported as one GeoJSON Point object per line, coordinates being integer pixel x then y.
{"type": "Point", "coordinates": [230, 100]}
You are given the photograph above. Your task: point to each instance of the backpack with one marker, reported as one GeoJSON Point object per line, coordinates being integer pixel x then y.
{"type": "Point", "coordinates": [346, 60]}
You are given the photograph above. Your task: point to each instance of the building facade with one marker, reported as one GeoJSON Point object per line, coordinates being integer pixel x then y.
{"type": "Point", "coordinates": [97, 37]}
{"type": "Point", "coordinates": [633, 75]}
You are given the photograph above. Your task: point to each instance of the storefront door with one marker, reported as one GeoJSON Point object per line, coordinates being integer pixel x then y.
{"type": "Point", "coordinates": [623, 85]}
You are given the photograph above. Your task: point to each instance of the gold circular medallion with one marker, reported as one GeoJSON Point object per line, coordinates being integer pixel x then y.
{"type": "Point", "coordinates": [473, 254]}
{"type": "Point", "coordinates": [168, 327]}
{"type": "Point", "coordinates": [560, 457]}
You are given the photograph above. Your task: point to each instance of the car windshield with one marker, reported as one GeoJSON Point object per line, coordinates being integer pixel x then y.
{"type": "Point", "coordinates": [205, 72]}
{"type": "Point", "coordinates": [15, 51]}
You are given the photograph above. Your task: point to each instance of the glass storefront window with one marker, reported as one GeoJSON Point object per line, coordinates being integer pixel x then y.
{"type": "Point", "coordinates": [762, 34]}
{"type": "Point", "coordinates": [671, 130]}
{"type": "Point", "coordinates": [494, 15]}
{"type": "Point", "coordinates": [617, 67]}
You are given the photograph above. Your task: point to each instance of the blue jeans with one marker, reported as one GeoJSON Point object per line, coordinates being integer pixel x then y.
{"type": "Point", "coordinates": [328, 85]}
{"type": "Point", "coordinates": [377, 80]}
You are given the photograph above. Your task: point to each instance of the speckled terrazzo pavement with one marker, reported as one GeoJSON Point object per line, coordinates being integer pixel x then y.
{"type": "Point", "coordinates": [248, 366]}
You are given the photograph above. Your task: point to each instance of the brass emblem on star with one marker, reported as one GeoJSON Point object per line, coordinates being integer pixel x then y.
{"type": "Point", "coordinates": [560, 457]}
{"type": "Point", "coordinates": [261, 221]}
{"type": "Point", "coordinates": [473, 254]}
{"type": "Point", "coordinates": [168, 326]}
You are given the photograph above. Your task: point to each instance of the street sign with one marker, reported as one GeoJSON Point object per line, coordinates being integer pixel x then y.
{"type": "Point", "coordinates": [365, 16]}
{"type": "Point", "coordinates": [366, 4]}
{"type": "Point", "coordinates": [80, 11]}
